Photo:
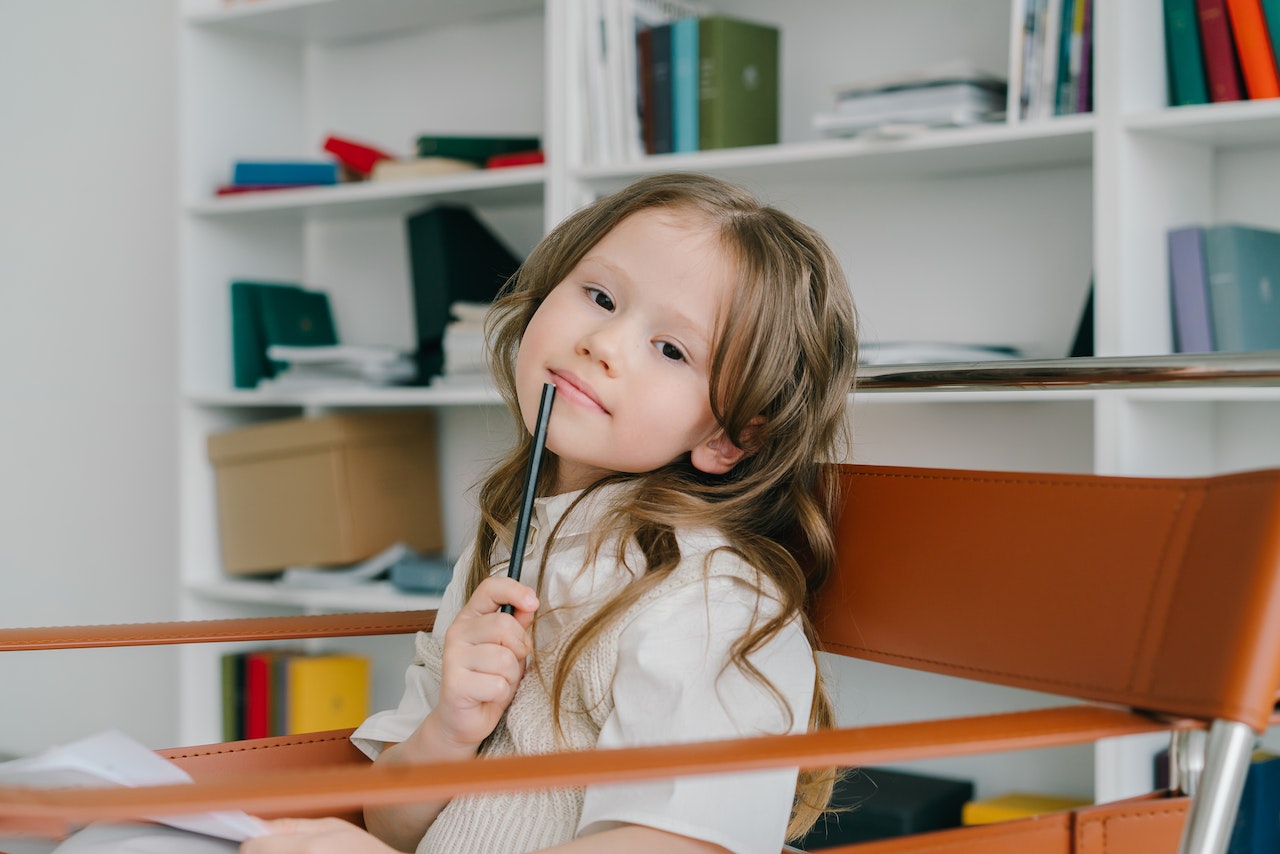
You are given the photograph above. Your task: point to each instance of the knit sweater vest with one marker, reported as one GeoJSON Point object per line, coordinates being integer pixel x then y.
{"type": "Point", "coordinates": [511, 822]}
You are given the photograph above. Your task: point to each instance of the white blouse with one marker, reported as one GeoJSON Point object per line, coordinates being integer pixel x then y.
{"type": "Point", "coordinates": [670, 684]}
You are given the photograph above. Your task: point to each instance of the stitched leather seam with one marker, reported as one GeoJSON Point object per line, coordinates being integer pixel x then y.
{"type": "Point", "coordinates": [1119, 482]}
{"type": "Point", "coordinates": [1142, 661]}
{"type": "Point", "coordinates": [256, 634]}
{"type": "Point", "coordinates": [250, 746]}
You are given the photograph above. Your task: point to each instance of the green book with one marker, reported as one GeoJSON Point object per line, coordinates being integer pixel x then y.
{"type": "Point", "coordinates": [1183, 56]}
{"type": "Point", "coordinates": [477, 149]}
{"type": "Point", "coordinates": [1242, 265]}
{"type": "Point", "coordinates": [266, 313]}
{"type": "Point", "coordinates": [737, 83]}
{"type": "Point", "coordinates": [453, 257]}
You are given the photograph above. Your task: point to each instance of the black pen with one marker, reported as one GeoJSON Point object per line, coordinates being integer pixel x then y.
{"type": "Point", "coordinates": [530, 486]}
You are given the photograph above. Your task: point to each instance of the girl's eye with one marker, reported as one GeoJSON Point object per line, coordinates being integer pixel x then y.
{"type": "Point", "coordinates": [671, 351]}
{"type": "Point", "coordinates": [600, 298]}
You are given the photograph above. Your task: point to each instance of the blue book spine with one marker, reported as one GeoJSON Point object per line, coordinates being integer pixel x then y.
{"type": "Point", "coordinates": [1243, 268]}
{"type": "Point", "coordinates": [1257, 825]}
{"type": "Point", "coordinates": [259, 172]}
{"type": "Point", "coordinates": [1189, 291]}
{"type": "Point", "coordinates": [684, 85]}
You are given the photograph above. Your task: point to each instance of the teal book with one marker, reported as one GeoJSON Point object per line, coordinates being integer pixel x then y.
{"type": "Point", "coordinates": [1242, 265]}
{"type": "Point", "coordinates": [453, 257]}
{"type": "Point", "coordinates": [475, 149]}
{"type": "Point", "coordinates": [266, 313]}
{"type": "Point", "coordinates": [738, 83]}
{"type": "Point", "coordinates": [684, 85]}
{"type": "Point", "coordinates": [1271, 14]}
{"type": "Point", "coordinates": [1184, 58]}
{"type": "Point", "coordinates": [1257, 826]}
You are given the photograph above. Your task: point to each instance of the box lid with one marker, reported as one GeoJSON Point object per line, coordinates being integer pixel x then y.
{"type": "Point", "coordinates": [295, 435]}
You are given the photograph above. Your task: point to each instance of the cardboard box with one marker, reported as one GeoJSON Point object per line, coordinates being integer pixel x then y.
{"type": "Point", "coordinates": [330, 490]}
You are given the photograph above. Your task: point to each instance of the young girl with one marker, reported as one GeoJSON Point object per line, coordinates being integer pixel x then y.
{"type": "Point", "coordinates": [702, 346]}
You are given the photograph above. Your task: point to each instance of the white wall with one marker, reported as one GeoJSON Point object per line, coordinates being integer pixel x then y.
{"type": "Point", "coordinates": [88, 374]}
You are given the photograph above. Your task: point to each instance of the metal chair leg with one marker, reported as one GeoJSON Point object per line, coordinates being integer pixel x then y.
{"type": "Point", "coordinates": [1216, 795]}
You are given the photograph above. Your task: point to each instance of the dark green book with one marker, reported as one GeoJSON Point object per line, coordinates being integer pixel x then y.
{"type": "Point", "coordinates": [453, 257]}
{"type": "Point", "coordinates": [1242, 265]}
{"type": "Point", "coordinates": [266, 313]}
{"type": "Point", "coordinates": [477, 149]}
{"type": "Point", "coordinates": [879, 803]}
{"type": "Point", "coordinates": [1183, 56]}
{"type": "Point", "coordinates": [737, 83]}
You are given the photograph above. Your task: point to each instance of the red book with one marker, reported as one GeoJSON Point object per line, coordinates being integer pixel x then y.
{"type": "Point", "coordinates": [1253, 47]}
{"type": "Point", "coordinates": [1220, 64]}
{"type": "Point", "coordinates": [257, 694]}
{"type": "Point", "coordinates": [234, 189]}
{"type": "Point", "coordinates": [356, 156]}
{"type": "Point", "coordinates": [515, 158]}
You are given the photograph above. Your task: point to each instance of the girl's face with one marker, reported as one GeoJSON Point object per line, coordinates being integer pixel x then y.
{"type": "Point", "coordinates": [626, 338]}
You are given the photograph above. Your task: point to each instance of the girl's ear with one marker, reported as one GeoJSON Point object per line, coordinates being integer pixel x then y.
{"type": "Point", "coordinates": [717, 455]}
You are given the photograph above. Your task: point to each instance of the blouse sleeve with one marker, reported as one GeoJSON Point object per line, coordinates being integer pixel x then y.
{"type": "Point", "coordinates": [672, 685]}
{"type": "Point", "coordinates": [421, 678]}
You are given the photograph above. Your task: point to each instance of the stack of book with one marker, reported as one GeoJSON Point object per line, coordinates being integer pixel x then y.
{"type": "Point", "coordinates": [285, 692]}
{"type": "Point", "coordinates": [666, 76]}
{"type": "Point", "coordinates": [1051, 60]}
{"type": "Point", "coordinates": [1221, 50]}
{"type": "Point", "coordinates": [1224, 283]}
{"type": "Point", "coordinates": [942, 97]}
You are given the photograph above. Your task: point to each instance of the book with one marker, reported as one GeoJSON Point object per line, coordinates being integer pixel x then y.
{"type": "Point", "coordinates": [516, 158]}
{"type": "Point", "coordinates": [324, 691]}
{"type": "Point", "coordinates": [232, 672]}
{"type": "Point", "coordinates": [737, 83]}
{"type": "Point", "coordinates": [1242, 265]}
{"type": "Point", "coordinates": [1189, 291]}
{"type": "Point", "coordinates": [355, 156]}
{"type": "Point", "coordinates": [684, 85]}
{"type": "Point", "coordinates": [1253, 49]}
{"type": "Point", "coordinates": [1271, 14]}
{"type": "Point", "coordinates": [1018, 805]}
{"type": "Point", "coordinates": [1184, 59]}
{"type": "Point", "coordinates": [453, 256]}
{"type": "Point", "coordinates": [289, 172]}
{"type": "Point", "coordinates": [1257, 825]}
{"type": "Point", "coordinates": [1084, 95]}
{"type": "Point", "coordinates": [266, 313]}
{"type": "Point", "coordinates": [660, 71]}
{"type": "Point", "coordinates": [420, 167]}
{"type": "Point", "coordinates": [258, 687]}
{"type": "Point", "coordinates": [1221, 68]}
{"type": "Point", "coordinates": [475, 148]}
{"type": "Point", "coordinates": [1082, 341]}
{"type": "Point", "coordinates": [880, 803]}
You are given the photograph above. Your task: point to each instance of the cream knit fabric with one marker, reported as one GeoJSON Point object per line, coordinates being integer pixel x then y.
{"type": "Point", "coordinates": [510, 822]}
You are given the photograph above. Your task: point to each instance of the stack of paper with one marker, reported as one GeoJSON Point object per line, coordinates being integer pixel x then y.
{"type": "Point", "coordinates": [953, 95]}
{"type": "Point", "coordinates": [337, 366]}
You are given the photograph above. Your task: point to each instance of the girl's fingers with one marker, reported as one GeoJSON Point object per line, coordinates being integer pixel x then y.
{"type": "Point", "coordinates": [498, 590]}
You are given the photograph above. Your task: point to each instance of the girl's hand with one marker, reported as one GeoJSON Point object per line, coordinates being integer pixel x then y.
{"type": "Point", "coordinates": [315, 836]}
{"type": "Point", "coordinates": [483, 660]}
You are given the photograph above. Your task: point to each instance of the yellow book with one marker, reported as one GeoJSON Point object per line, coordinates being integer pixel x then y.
{"type": "Point", "coordinates": [1016, 805]}
{"type": "Point", "coordinates": [327, 691]}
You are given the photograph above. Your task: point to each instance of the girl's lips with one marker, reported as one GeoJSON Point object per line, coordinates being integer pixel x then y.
{"type": "Point", "coordinates": [576, 390]}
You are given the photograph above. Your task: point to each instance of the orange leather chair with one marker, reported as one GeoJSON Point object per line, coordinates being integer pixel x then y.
{"type": "Point", "coordinates": [1156, 601]}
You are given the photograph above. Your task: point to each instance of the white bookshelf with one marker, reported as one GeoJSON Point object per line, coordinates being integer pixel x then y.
{"type": "Point", "coordinates": [984, 234]}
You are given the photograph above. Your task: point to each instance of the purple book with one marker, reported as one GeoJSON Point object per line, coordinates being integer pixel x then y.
{"type": "Point", "coordinates": [1084, 97]}
{"type": "Point", "coordinates": [1189, 290]}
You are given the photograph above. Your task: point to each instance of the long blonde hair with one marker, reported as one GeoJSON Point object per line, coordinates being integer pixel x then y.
{"type": "Point", "coordinates": [782, 366]}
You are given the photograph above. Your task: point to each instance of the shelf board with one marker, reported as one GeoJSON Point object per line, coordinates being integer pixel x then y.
{"type": "Point", "coordinates": [346, 20]}
{"type": "Point", "coordinates": [370, 596]}
{"type": "Point", "coordinates": [1057, 142]}
{"type": "Point", "coordinates": [400, 396]}
{"type": "Point", "coordinates": [1212, 372]}
{"type": "Point", "coordinates": [1238, 124]}
{"type": "Point", "coordinates": [516, 185]}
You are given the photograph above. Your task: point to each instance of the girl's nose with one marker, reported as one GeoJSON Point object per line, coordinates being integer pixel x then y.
{"type": "Point", "coordinates": [602, 344]}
